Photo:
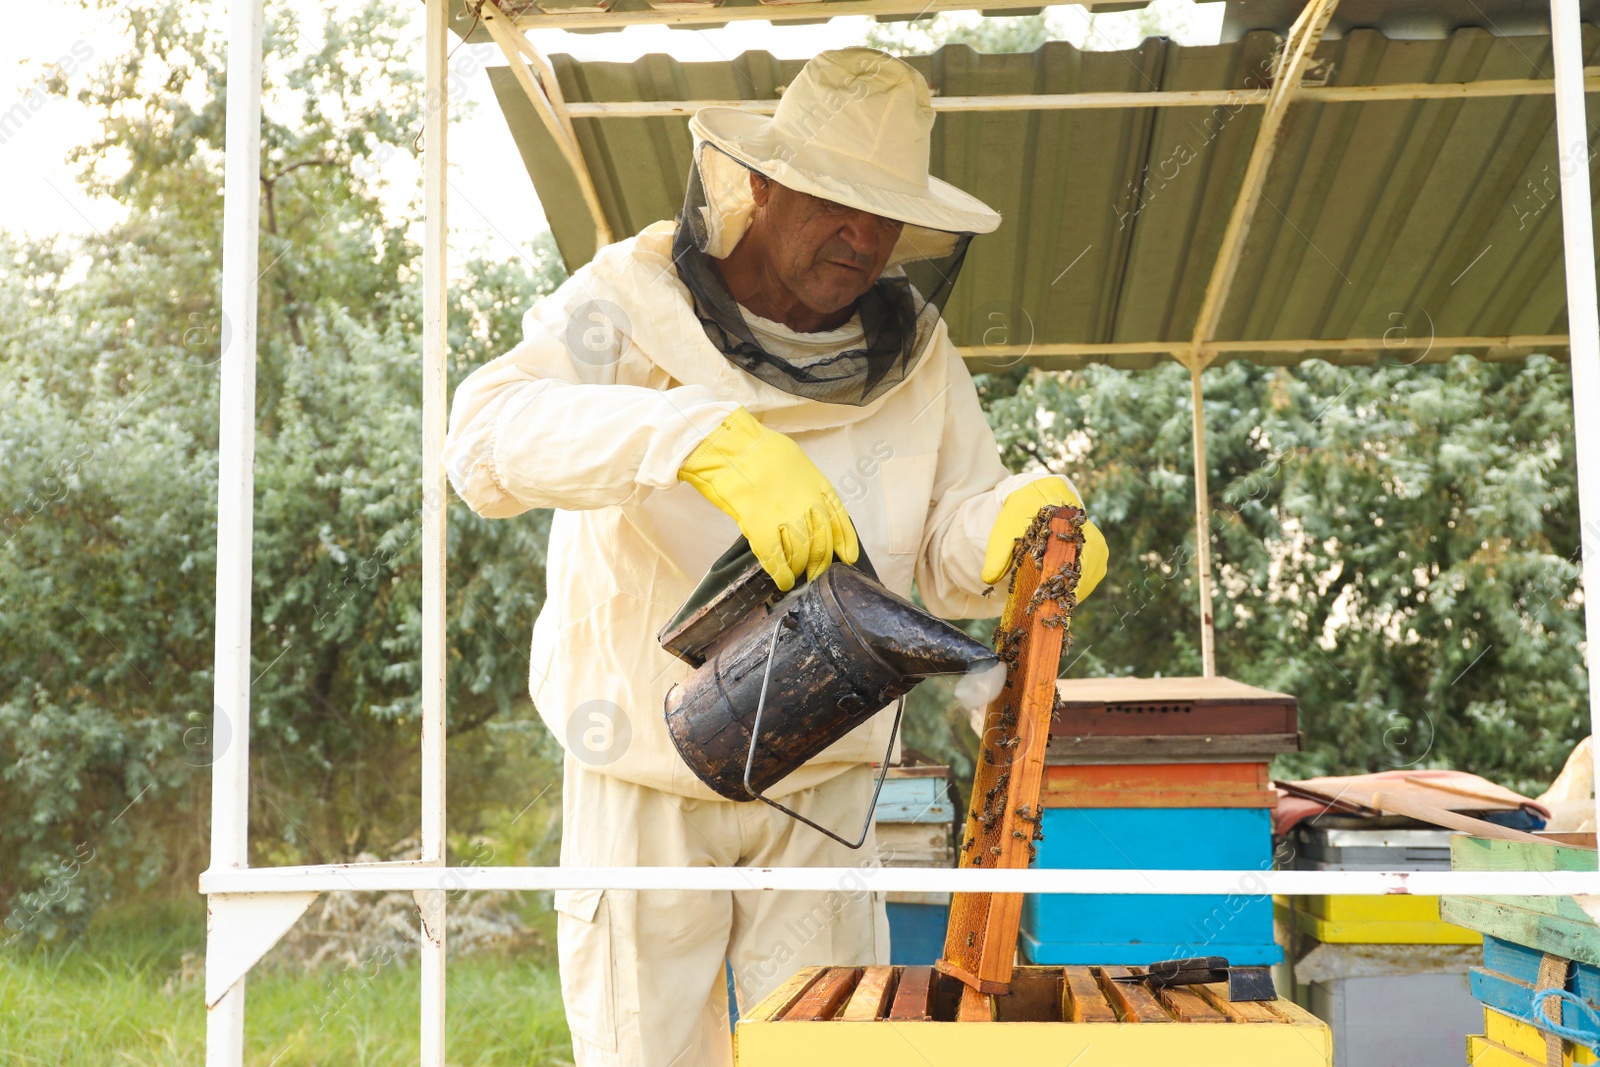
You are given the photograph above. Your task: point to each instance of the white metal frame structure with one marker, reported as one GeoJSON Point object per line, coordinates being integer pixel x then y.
{"type": "Point", "coordinates": [251, 908]}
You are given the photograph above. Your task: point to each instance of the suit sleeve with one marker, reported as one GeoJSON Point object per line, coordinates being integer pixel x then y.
{"type": "Point", "coordinates": [552, 424]}
{"type": "Point", "coordinates": [970, 484]}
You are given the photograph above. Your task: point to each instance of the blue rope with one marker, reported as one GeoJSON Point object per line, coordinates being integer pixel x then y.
{"type": "Point", "coordinates": [1588, 1036]}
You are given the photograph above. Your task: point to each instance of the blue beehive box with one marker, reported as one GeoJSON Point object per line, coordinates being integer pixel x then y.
{"type": "Point", "coordinates": [914, 814]}
{"type": "Point", "coordinates": [1126, 929]}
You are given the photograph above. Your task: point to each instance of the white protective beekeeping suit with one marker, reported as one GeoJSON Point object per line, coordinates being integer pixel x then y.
{"type": "Point", "coordinates": [613, 386]}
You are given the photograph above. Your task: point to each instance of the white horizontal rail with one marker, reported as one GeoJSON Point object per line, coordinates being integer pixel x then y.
{"type": "Point", "coordinates": [1318, 94]}
{"type": "Point", "coordinates": [367, 878]}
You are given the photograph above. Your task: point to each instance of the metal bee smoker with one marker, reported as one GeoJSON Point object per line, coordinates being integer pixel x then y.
{"type": "Point", "coordinates": [780, 677]}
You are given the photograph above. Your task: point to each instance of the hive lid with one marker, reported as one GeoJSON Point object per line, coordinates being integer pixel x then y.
{"type": "Point", "coordinates": [1102, 691]}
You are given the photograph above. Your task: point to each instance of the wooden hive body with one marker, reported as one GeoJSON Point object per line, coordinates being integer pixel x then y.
{"type": "Point", "coordinates": [894, 1016]}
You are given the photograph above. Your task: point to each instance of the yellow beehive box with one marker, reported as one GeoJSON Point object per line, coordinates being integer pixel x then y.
{"type": "Point", "coordinates": [1524, 1039]}
{"type": "Point", "coordinates": [1481, 1052]}
{"type": "Point", "coordinates": [1395, 908]}
{"type": "Point", "coordinates": [1398, 919]}
{"type": "Point", "coordinates": [907, 1017]}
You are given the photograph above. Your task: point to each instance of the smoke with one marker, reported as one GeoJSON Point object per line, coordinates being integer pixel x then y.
{"type": "Point", "coordinates": [982, 683]}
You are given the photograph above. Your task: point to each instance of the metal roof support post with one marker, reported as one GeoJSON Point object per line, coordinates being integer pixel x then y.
{"type": "Point", "coordinates": [544, 92]}
{"type": "Point", "coordinates": [435, 280]}
{"type": "Point", "coordinates": [230, 731]}
{"type": "Point", "coordinates": [1297, 49]}
{"type": "Point", "coordinates": [1196, 362]}
{"type": "Point", "coordinates": [1583, 314]}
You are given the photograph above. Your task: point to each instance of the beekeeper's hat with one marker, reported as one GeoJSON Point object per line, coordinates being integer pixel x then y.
{"type": "Point", "coordinates": [856, 128]}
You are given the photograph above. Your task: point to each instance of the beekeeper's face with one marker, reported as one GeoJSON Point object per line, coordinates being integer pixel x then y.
{"type": "Point", "coordinates": [825, 253]}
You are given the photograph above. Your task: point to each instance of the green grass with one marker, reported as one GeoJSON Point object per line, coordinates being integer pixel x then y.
{"type": "Point", "coordinates": [126, 994]}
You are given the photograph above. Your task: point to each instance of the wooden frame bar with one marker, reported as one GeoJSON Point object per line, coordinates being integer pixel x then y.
{"type": "Point", "coordinates": [981, 942]}
{"type": "Point", "coordinates": [1311, 94]}
{"type": "Point", "coordinates": [544, 93]}
{"type": "Point", "coordinates": [1297, 50]}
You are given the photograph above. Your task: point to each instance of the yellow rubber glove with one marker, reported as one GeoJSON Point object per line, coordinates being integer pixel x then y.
{"type": "Point", "coordinates": [1017, 514]}
{"type": "Point", "coordinates": [785, 507]}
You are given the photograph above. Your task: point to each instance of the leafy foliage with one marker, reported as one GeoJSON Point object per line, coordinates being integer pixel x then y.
{"type": "Point", "coordinates": [109, 357]}
{"type": "Point", "coordinates": [1394, 545]}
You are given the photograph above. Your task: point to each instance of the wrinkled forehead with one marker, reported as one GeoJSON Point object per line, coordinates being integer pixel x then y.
{"type": "Point", "coordinates": [817, 204]}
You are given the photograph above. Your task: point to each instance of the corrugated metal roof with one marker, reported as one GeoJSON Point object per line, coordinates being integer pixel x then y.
{"type": "Point", "coordinates": [1421, 215]}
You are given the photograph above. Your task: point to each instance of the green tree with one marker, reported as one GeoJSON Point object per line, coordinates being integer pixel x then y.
{"type": "Point", "coordinates": [108, 481]}
{"type": "Point", "coordinates": [1394, 545]}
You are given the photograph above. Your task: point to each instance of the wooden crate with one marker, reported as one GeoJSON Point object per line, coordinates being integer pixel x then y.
{"type": "Point", "coordinates": [1506, 983]}
{"type": "Point", "coordinates": [1158, 785]}
{"type": "Point", "coordinates": [907, 1017]}
{"type": "Point", "coordinates": [1169, 707]}
{"type": "Point", "coordinates": [1522, 963]}
{"type": "Point", "coordinates": [1481, 1052]}
{"type": "Point", "coordinates": [1549, 924]}
{"type": "Point", "coordinates": [1525, 1039]}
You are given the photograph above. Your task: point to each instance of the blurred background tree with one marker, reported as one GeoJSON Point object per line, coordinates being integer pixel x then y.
{"type": "Point", "coordinates": [108, 358]}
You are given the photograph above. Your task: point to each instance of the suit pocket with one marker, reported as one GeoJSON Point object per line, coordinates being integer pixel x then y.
{"type": "Point", "coordinates": [588, 970]}
{"type": "Point", "coordinates": [907, 493]}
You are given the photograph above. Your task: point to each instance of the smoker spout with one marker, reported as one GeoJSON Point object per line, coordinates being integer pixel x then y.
{"type": "Point", "coordinates": [910, 640]}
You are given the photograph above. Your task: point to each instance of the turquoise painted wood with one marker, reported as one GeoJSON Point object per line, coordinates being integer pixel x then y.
{"type": "Point", "coordinates": [1140, 954]}
{"type": "Point", "coordinates": [1506, 994]}
{"type": "Point", "coordinates": [918, 800]}
{"type": "Point", "coordinates": [1522, 963]}
{"type": "Point", "coordinates": [916, 933]}
{"type": "Point", "coordinates": [1110, 928]}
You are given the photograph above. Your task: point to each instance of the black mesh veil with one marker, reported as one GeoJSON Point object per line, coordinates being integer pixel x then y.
{"type": "Point", "coordinates": [894, 321]}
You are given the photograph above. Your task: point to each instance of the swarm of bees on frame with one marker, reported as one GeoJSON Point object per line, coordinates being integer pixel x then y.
{"type": "Point", "coordinates": [1059, 589]}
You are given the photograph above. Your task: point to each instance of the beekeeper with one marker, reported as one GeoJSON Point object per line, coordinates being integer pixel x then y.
{"type": "Point", "coordinates": [774, 366]}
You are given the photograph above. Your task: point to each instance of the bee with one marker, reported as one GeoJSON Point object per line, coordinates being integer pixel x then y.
{"type": "Point", "coordinates": [972, 936]}
{"type": "Point", "coordinates": [995, 850]}
{"type": "Point", "coordinates": [1019, 835]}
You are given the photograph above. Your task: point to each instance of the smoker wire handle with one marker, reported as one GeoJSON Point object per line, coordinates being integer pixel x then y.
{"type": "Point", "coordinates": [755, 734]}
